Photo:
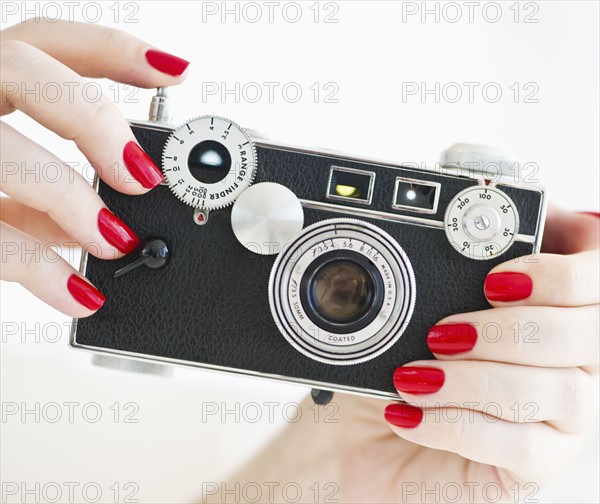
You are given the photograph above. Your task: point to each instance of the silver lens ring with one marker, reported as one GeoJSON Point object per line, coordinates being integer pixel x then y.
{"type": "Point", "coordinates": [387, 259]}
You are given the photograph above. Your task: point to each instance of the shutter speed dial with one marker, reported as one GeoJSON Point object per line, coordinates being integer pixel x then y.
{"type": "Point", "coordinates": [208, 162]}
{"type": "Point", "coordinates": [481, 222]}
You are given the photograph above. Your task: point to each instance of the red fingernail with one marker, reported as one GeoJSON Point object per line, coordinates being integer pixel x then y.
{"type": "Point", "coordinates": [418, 380]}
{"type": "Point", "coordinates": [451, 338]}
{"type": "Point", "coordinates": [403, 415]}
{"type": "Point", "coordinates": [166, 63]}
{"type": "Point", "coordinates": [141, 166]}
{"type": "Point", "coordinates": [85, 293]}
{"type": "Point", "coordinates": [116, 232]}
{"type": "Point", "coordinates": [507, 286]}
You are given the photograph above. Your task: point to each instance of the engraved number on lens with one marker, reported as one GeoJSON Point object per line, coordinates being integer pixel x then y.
{"type": "Point", "coordinates": [342, 292]}
{"type": "Point", "coordinates": [208, 162]}
{"type": "Point", "coordinates": [481, 222]}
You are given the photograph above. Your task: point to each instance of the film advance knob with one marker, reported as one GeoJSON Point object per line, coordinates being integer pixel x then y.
{"type": "Point", "coordinates": [265, 217]}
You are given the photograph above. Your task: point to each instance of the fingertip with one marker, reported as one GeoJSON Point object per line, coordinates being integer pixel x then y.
{"type": "Point", "coordinates": [167, 63]}
{"type": "Point", "coordinates": [85, 293]}
{"type": "Point", "coordinates": [141, 167]}
{"type": "Point", "coordinates": [507, 286]}
{"type": "Point", "coordinates": [403, 415]}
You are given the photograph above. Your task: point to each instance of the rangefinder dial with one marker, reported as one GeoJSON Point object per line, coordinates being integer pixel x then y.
{"type": "Point", "coordinates": [208, 162]}
{"type": "Point", "coordinates": [481, 222]}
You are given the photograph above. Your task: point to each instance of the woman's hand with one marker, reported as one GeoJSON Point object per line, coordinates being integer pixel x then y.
{"type": "Point", "coordinates": [501, 411]}
{"type": "Point", "coordinates": [514, 387]}
{"type": "Point", "coordinates": [48, 201]}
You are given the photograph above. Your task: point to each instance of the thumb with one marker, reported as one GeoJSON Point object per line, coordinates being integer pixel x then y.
{"type": "Point", "coordinates": [570, 232]}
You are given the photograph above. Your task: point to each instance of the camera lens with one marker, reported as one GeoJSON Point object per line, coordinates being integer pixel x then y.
{"type": "Point", "coordinates": [341, 291]}
{"type": "Point", "coordinates": [209, 161]}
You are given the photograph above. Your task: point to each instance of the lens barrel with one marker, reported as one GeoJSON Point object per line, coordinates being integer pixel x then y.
{"type": "Point", "coordinates": [342, 292]}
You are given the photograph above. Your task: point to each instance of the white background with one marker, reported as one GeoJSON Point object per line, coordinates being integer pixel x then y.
{"type": "Point", "coordinates": [369, 53]}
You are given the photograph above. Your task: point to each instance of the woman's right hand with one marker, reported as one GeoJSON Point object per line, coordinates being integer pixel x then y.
{"type": "Point", "coordinates": [48, 202]}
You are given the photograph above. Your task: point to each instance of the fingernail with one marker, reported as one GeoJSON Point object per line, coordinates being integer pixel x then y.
{"type": "Point", "coordinates": [507, 286]}
{"type": "Point", "coordinates": [141, 166]}
{"type": "Point", "coordinates": [451, 338]}
{"type": "Point", "coordinates": [403, 415]}
{"type": "Point", "coordinates": [85, 293]}
{"type": "Point", "coordinates": [418, 380]}
{"type": "Point", "coordinates": [594, 214]}
{"type": "Point", "coordinates": [116, 232]}
{"type": "Point", "coordinates": [166, 63]}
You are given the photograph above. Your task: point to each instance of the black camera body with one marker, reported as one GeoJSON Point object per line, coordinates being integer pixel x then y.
{"type": "Point", "coordinates": [374, 255]}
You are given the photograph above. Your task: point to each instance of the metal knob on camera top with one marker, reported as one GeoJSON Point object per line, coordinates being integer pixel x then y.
{"type": "Point", "coordinates": [265, 217]}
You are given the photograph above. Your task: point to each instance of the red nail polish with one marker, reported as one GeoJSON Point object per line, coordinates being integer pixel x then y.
{"type": "Point", "coordinates": [594, 214]}
{"type": "Point", "coordinates": [451, 338]}
{"type": "Point", "coordinates": [166, 63]}
{"type": "Point", "coordinates": [507, 286]}
{"type": "Point", "coordinates": [116, 232]}
{"type": "Point", "coordinates": [418, 380]}
{"type": "Point", "coordinates": [141, 166]}
{"type": "Point", "coordinates": [403, 415]}
{"type": "Point", "coordinates": [85, 293]}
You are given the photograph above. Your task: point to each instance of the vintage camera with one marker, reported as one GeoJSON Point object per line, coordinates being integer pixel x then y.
{"type": "Point", "coordinates": [291, 264]}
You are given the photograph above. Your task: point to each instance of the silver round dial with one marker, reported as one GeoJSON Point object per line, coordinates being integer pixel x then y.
{"type": "Point", "coordinates": [266, 217]}
{"type": "Point", "coordinates": [481, 222]}
{"type": "Point", "coordinates": [208, 162]}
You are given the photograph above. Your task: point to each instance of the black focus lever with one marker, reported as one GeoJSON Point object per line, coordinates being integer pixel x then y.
{"type": "Point", "coordinates": [154, 254]}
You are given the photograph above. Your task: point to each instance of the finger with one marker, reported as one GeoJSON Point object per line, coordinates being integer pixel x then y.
{"type": "Point", "coordinates": [98, 51]}
{"type": "Point", "coordinates": [514, 393]}
{"type": "Point", "coordinates": [522, 448]}
{"type": "Point", "coordinates": [546, 280]}
{"type": "Point", "coordinates": [95, 124]}
{"type": "Point", "coordinates": [527, 335]}
{"type": "Point", "coordinates": [33, 222]}
{"type": "Point", "coordinates": [43, 182]}
{"type": "Point", "coordinates": [570, 232]}
{"type": "Point", "coordinates": [45, 274]}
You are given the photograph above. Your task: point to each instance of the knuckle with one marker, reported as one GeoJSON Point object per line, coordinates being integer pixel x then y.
{"type": "Point", "coordinates": [571, 278]}
{"type": "Point", "coordinates": [114, 37]}
{"type": "Point", "coordinates": [573, 391]}
{"type": "Point", "coordinates": [13, 52]}
{"type": "Point", "coordinates": [594, 331]}
{"type": "Point", "coordinates": [530, 445]}
{"type": "Point", "coordinates": [30, 262]}
{"type": "Point", "coordinates": [103, 118]}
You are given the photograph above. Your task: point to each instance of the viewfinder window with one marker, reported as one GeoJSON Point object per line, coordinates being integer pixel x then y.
{"type": "Point", "coordinates": [348, 184]}
{"type": "Point", "coordinates": [416, 195]}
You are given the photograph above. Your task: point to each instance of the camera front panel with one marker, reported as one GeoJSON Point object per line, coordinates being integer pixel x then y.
{"type": "Point", "coordinates": [209, 305]}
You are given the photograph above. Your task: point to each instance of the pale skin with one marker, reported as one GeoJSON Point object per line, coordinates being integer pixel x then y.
{"type": "Point", "coordinates": [459, 441]}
